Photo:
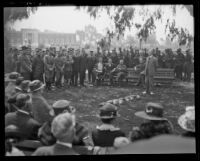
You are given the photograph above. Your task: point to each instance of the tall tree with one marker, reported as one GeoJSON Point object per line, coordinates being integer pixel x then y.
{"type": "Point", "coordinates": [124, 17]}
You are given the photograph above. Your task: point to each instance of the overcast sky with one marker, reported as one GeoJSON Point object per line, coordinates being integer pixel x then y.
{"type": "Point", "coordinates": [68, 20]}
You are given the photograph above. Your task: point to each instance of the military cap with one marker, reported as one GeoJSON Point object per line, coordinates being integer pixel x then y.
{"type": "Point", "coordinates": [108, 111]}
{"type": "Point", "coordinates": [63, 105]}
{"type": "Point", "coordinates": [153, 111]}
{"type": "Point", "coordinates": [24, 47]}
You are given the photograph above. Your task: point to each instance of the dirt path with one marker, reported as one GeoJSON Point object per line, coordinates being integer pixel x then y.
{"type": "Point", "coordinates": [86, 101]}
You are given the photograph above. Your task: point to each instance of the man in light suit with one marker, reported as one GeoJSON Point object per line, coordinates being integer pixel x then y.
{"type": "Point", "coordinates": [150, 70]}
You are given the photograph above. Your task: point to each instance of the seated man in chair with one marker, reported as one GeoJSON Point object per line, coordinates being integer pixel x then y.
{"type": "Point", "coordinates": [120, 71]}
{"type": "Point", "coordinates": [99, 71]}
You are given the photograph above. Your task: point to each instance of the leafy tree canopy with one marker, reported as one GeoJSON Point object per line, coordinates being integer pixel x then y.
{"type": "Point", "coordinates": [11, 14]}
{"type": "Point", "coordinates": [124, 18]}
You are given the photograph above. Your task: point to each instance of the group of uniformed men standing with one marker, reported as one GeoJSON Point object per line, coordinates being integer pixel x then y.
{"type": "Point", "coordinates": [50, 65]}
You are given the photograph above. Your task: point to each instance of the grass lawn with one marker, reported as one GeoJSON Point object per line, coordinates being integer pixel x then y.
{"type": "Point", "coordinates": [86, 100]}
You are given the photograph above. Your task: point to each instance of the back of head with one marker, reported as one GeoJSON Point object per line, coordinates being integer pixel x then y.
{"type": "Point", "coordinates": [63, 126]}
{"type": "Point", "coordinates": [21, 100]}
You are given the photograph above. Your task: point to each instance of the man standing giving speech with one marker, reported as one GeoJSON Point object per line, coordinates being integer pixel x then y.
{"type": "Point", "coordinates": [150, 70]}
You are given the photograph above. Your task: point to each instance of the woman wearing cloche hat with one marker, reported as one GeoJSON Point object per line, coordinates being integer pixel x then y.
{"type": "Point", "coordinates": [155, 124]}
{"type": "Point", "coordinates": [187, 121]}
{"type": "Point", "coordinates": [105, 134]}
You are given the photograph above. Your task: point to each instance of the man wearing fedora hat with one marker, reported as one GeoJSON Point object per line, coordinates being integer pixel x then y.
{"type": "Point", "coordinates": [188, 66]}
{"type": "Point", "coordinates": [38, 66]}
{"type": "Point", "coordinates": [155, 124]}
{"type": "Point", "coordinates": [105, 134]}
{"type": "Point", "coordinates": [62, 106]}
{"type": "Point", "coordinates": [49, 65]}
{"type": "Point", "coordinates": [25, 64]}
{"type": "Point", "coordinates": [59, 69]}
{"type": "Point", "coordinates": [21, 118]}
{"type": "Point", "coordinates": [179, 61]}
{"type": "Point", "coordinates": [40, 107]}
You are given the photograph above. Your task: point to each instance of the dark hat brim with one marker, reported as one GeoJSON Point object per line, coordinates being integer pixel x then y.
{"type": "Point", "coordinates": [42, 86]}
{"type": "Point", "coordinates": [143, 115]}
{"type": "Point", "coordinates": [108, 117]}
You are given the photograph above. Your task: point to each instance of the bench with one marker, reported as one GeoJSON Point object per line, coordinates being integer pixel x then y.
{"type": "Point", "coordinates": [162, 76]}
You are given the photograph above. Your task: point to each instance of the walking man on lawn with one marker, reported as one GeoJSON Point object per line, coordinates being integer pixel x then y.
{"type": "Point", "coordinates": [150, 70]}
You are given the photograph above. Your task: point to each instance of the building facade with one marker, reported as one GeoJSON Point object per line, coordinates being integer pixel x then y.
{"type": "Point", "coordinates": [35, 38]}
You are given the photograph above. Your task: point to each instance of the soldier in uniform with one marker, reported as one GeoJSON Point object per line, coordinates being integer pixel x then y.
{"type": "Point", "coordinates": [25, 64]}
{"type": "Point", "coordinates": [83, 66]}
{"type": "Point", "coordinates": [187, 68]}
{"type": "Point", "coordinates": [98, 71]}
{"type": "Point", "coordinates": [59, 69]}
{"type": "Point", "coordinates": [105, 134]}
{"type": "Point", "coordinates": [114, 57]}
{"type": "Point", "coordinates": [49, 65]}
{"type": "Point", "coordinates": [38, 66]}
{"type": "Point", "coordinates": [140, 69]}
{"type": "Point", "coordinates": [108, 68]}
{"type": "Point", "coordinates": [75, 67]}
{"type": "Point", "coordinates": [180, 58]}
{"type": "Point", "coordinates": [90, 66]}
{"type": "Point", "coordinates": [155, 124]}
{"type": "Point", "coordinates": [68, 68]}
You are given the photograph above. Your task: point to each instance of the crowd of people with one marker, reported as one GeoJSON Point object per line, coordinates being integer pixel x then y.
{"type": "Point", "coordinates": [51, 66]}
{"type": "Point", "coordinates": [30, 117]}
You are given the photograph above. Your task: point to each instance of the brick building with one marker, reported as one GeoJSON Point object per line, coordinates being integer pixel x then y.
{"type": "Point", "coordinates": [35, 38]}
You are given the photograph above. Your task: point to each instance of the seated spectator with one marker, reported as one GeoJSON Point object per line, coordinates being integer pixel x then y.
{"type": "Point", "coordinates": [187, 122]}
{"type": "Point", "coordinates": [10, 88]}
{"type": "Point", "coordinates": [22, 118]}
{"type": "Point", "coordinates": [120, 71]}
{"type": "Point", "coordinates": [22, 88]}
{"type": "Point", "coordinates": [154, 125]}
{"type": "Point", "coordinates": [140, 70]}
{"type": "Point", "coordinates": [64, 131]}
{"type": "Point", "coordinates": [12, 136]}
{"type": "Point", "coordinates": [40, 107]}
{"type": "Point", "coordinates": [105, 134]}
{"type": "Point", "coordinates": [45, 134]}
{"type": "Point", "coordinates": [99, 70]}
{"type": "Point", "coordinates": [109, 67]}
